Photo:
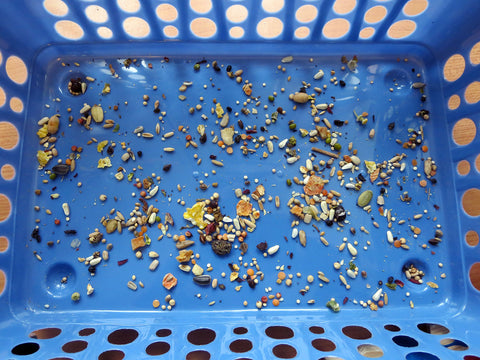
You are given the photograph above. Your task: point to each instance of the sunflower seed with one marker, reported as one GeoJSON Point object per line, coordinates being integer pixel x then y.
{"type": "Point", "coordinates": [154, 265]}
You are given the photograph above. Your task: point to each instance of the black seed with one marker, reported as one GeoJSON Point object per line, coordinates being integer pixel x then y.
{"type": "Point", "coordinates": [202, 279]}
{"type": "Point", "coordinates": [139, 153]}
{"type": "Point", "coordinates": [380, 282]}
{"type": "Point", "coordinates": [212, 157]}
{"type": "Point", "coordinates": [203, 138]}
{"type": "Point", "coordinates": [76, 85]}
{"type": "Point", "coordinates": [238, 138]}
{"type": "Point", "coordinates": [167, 167]}
{"type": "Point", "coordinates": [342, 83]}
{"type": "Point", "coordinates": [221, 286]}
{"type": "Point", "coordinates": [390, 279]}
{"type": "Point", "coordinates": [229, 109]}
{"type": "Point", "coordinates": [92, 269]}
{"type": "Point", "coordinates": [382, 191]}
{"type": "Point", "coordinates": [70, 232]}
{"type": "Point", "coordinates": [338, 122]}
{"type": "Point", "coordinates": [36, 235]}
{"type": "Point", "coordinates": [423, 98]}
{"type": "Point", "coordinates": [240, 124]}
{"type": "Point", "coordinates": [251, 282]}
{"type": "Point", "coordinates": [391, 126]}
{"type": "Point", "coordinates": [61, 169]}
{"type": "Point", "coordinates": [329, 222]}
{"type": "Point", "coordinates": [110, 150]}
{"type": "Point", "coordinates": [361, 178]}
{"type": "Point", "coordinates": [229, 68]}
{"type": "Point", "coordinates": [262, 246]}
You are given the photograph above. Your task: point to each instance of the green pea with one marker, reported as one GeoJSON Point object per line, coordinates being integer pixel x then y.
{"type": "Point", "coordinates": [328, 140]}
{"type": "Point", "coordinates": [76, 296]}
{"type": "Point", "coordinates": [196, 67]}
{"type": "Point", "coordinates": [292, 126]}
{"type": "Point", "coordinates": [271, 98]}
{"type": "Point", "coordinates": [289, 182]}
{"type": "Point", "coordinates": [53, 176]}
{"type": "Point", "coordinates": [337, 146]}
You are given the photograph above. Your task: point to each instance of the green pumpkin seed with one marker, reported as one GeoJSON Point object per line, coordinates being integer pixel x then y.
{"type": "Point", "coordinates": [364, 198]}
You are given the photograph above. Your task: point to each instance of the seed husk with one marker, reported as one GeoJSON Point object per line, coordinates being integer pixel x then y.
{"type": "Point", "coordinates": [111, 226]}
{"type": "Point", "coordinates": [97, 113]}
{"type": "Point", "coordinates": [302, 237]}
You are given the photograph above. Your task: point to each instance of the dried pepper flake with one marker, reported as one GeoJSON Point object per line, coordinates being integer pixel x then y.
{"type": "Point", "coordinates": [101, 145]}
{"type": "Point", "coordinates": [103, 163]}
{"type": "Point", "coordinates": [432, 285]}
{"type": "Point", "coordinates": [122, 262]}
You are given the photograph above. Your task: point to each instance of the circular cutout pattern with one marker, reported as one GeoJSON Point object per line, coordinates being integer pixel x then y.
{"type": "Point", "coordinates": [96, 13]}
{"type": "Point", "coordinates": [202, 336]}
{"type": "Point", "coordinates": [336, 28]}
{"type": "Point", "coordinates": [454, 67]}
{"type": "Point", "coordinates": [357, 332]}
{"type": "Point", "coordinates": [454, 102]}
{"type": "Point", "coordinates": [302, 32]}
{"type": "Point", "coordinates": [279, 332]}
{"type": "Point", "coordinates": [198, 355]}
{"type": "Point", "coordinates": [10, 135]}
{"type": "Point", "coordinates": [167, 12]}
{"type": "Point", "coordinates": [54, 283]}
{"type": "Point", "coordinates": [270, 27]}
{"type": "Point", "coordinates": [112, 355]}
{"type": "Point", "coordinates": [284, 351]}
{"type": "Point", "coordinates": [342, 7]}
{"type": "Point", "coordinates": [474, 274]}
{"type": "Point", "coordinates": [86, 332]}
{"type": "Point", "coordinates": [16, 104]}
{"type": "Point", "coordinates": [26, 348]}
{"type": "Point", "coordinates": [434, 329]}
{"type": "Point", "coordinates": [237, 13]}
{"type": "Point", "coordinates": [370, 351]}
{"type": "Point", "coordinates": [472, 93]}
{"type": "Point", "coordinates": [401, 29]}
{"type": "Point", "coordinates": [475, 54]}
{"type": "Point", "coordinates": [463, 167]}
{"type": "Point", "coordinates": [323, 345]}
{"type": "Point", "coordinates": [471, 237]}
{"type": "Point", "coordinates": [3, 97]}
{"type": "Point", "coordinates": [163, 332]}
{"type": "Point", "coordinates": [454, 344]}
{"type": "Point", "coordinates": [158, 348]}
{"type": "Point", "coordinates": [69, 29]}
{"type": "Point", "coordinates": [477, 162]}
{"type": "Point", "coordinates": [129, 6]}
{"type": "Point", "coordinates": [7, 172]}
{"type": "Point", "coordinates": [367, 32]}
{"type": "Point", "coordinates": [3, 281]}
{"type": "Point", "coordinates": [471, 202]}
{"type": "Point", "coordinates": [3, 244]}
{"type": "Point", "coordinates": [104, 32]}
{"type": "Point", "coordinates": [306, 13]}
{"type": "Point", "coordinates": [405, 341]}
{"type": "Point", "coordinates": [415, 7]}
{"type": "Point", "coordinates": [56, 7]}
{"type": "Point", "coordinates": [464, 131]}
{"type": "Point", "coordinates": [391, 327]}
{"type": "Point", "coordinates": [273, 6]}
{"type": "Point", "coordinates": [236, 32]}
{"type": "Point", "coordinates": [418, 355]}
{"type": "Point", "coordinates": [16, 70]}
{"type": "Point", "coordinates": [240, 330]}
{"type": "Point", "coordinates": [316, 330]}
{"type": "Point", "coordinates": [375, 14]}
{"type": "Point", "coordinates": [471, 357]}
{"type": "Point", "coordinates": [201, 6]}
{"type": "Point", "coordinates": [241, 346]}
{"type": "Point", "coordinates": [122, 336]}
{"type": "Point", "coordinates": [5, 208]}
{"type": "Point", "coordinates": [203, 27]}
{"type": "Point", "coordinates": [75, 346]}
{"type": "Point", "coordinates": [136, 27]}
{"type": "Point", "coordinates": [46, 333]}
{"type": "Point", "coordinates": [170, 31]}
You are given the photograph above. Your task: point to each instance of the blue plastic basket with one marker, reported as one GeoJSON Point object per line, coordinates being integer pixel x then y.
{"type": "Point", "coordinates": [134, 45]}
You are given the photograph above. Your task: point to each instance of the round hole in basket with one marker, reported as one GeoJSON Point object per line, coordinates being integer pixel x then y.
{"type": "Point", "coordinates": [16, 104]}
{"type": "Point", "coordinates": [284, 351]}
{"type": "Point", "coordinates": [477, 163]}
{"type": "Point", "coordinates": [167, 12]}
{"type": "Point", "coordinates": [336, 28]}
{"type": "Point", "coordinates": [46, 333]}
{"type": "Point", "coordinates": [237, 13]}
{"type": "Point", "coordinates": [405, 341]}
{"type": "Point", "coordinates": [302, 32]}
{"type": "Point", "coordinates": [401, 29]}
{"type": "Point", "coordinates": [323, 345]}
{"type": "Point", "coordinates": [158, 348]}
{"type": "Point", "coordinates": [391, 327]}
{"type": "Point", "coordinates": [367, 32]}
{"type": "Point", "coordinates": [357, 332]}
{"type": "Point", "coordinates": [75, 346]}
{"type": "Point", "coordinates": [464, 131]}
{"type": "Point", "coordinates": [112, 355]}
{"type": "Point", "coordinates": [163, 332]}
{"type": "Point", "coordinates": [375, 14]}
{"type": "Point", "coordinates": [472, 92]}
{"type": "Point", "coordinates": [96, 14]}
{"type": "Point", "coordinates": [241, 346]}
{"type": "Point", "coordinates": [471, 357]}
{"type": "Point", "coordinates": [11, 136]}
{"type": "Point", "coordinates": [236, 32]}
{"type": "Point", "coordinates": [306, 13]}
{"type": "Point", "coordinates": [454, 344]}
{"type": "Point", "coordinates": [4, 244]}
{"type": "Point", "coordinates": [415, 7]}
{"type": "Point", "coordinates": [434, 329]}
{"type": "Point", "coordinates": [472, 238]}
{"type": "Point", "coordinates": [25, 349]}
{"type": "Point", "coordinates": [454, 67]}
{"type": "Point", "coordinates": [203, 27]}
{"type": "Point", "coordinates": [3, 97]}
{"type": "Point", "coordinates": [198, 355]}
{"type": "Point", "coordinates": [129, 6]}
{"type": "Point", "coordinates": [5, 208]}
{"type": "Point", "coordinates": [136, 27]}
{"type": "Point", "coordinates": [370, 351]}
{"type": "Point", "coordinates": [86, 332]}
{"type": "Point", "coordinates": [279, 332]}
{"type": "Point", "coordinates": [3, 281]}
{"type": "Point", "coordinates": [56, 7]}
{"type": "Point", "coordinates": [342, 7]}
{"type": "Point", "coordinates": [201, 6]}
{"type": "Point", "coordinates": [454, 102]}
{"type": "Point", "coordinates": [8, 172]}
{"type": "Point", "coordinates": [202, 336]}
{"type": "Point", "coordinates": [122, 336]}
{"type": "Point", "coordinates": [463, 167]}
{"type": "Point", "coordinates": [273, 6]}
{"type": "Point", "coordinates": [270, 27]}
{"type": "Point", "coordinates": [418, 355]}
{"type": "Point", "coordinates": [471, 202]}
{"type": "Point", "coordinates": [16, 70]}
{"type": "Point", "coordinates": [240, 330]}
{"type": "Point", "coordinates": [475, 54]}
{"type": "Point", "coordinates": [316, 330]}
{"type": "Point", "coordinates": [69, 29]}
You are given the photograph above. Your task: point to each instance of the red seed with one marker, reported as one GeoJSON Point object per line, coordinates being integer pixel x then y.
{"type": "Point", "coordinates": [345, 300]}
{"type": "Point", "coordinates": [264, 299]}
{"type": "Point", "coordinates": [188, 137]}
{"type": "Point", "coordinates": [143, 193]}
{"type": "Point", "coordinates": [122, 262]}
{"type": "Point", "coordinates": [399, 283]}
{"type": "Point", "coordinates": [57, 222]}
{"type": "Point", "coordinates": [278, 295]}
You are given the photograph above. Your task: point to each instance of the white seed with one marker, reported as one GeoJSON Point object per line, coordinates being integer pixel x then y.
{"type": "Point", "coordinates": [355, 159]}
{"type": "Point", "coordinates": [282, 143]}
{"type": "Point", "coordinates": [154, 265]}
{"type": "Point", "coordinates": [95, 261]}
{"type": "Point", "coordinates": [371, 134]}
{"type": "Point", "coordinates": [272, 250]}
{"type": "Point", "coordinates": [125, 156]}
{"type": "Point", "coordinates": [90, 289]}
{"type": "Point", "coordinates": [169, 149]}
{"type": "Point", "coordinates": [377, 295]}
{"type": "Point", "coordinates": [352, 249]}
{"type": "Point", "coordinates": [105, 255]}
{"type": "Point", "coordinates": [319, 75]}
{"type": "Point", "coordinates": [347, 166]}
{"type": "Point", "coordinates": [390, 237]}
{"type": "Point", "coordinates": [351, 273]}
{"type": "Point", "coordinates": [66, 209]}
{"type": "Point", "coordinates": [294, 233]}
{"type": "Point", "coordinates": [302, 237]}
{"type": "Point", "coordinates": [132, 286]}
{"type": "Point", "coordinates": [168, 134]}
{"type": "Point", "coordinates": [270, 146]}
{"type": "Point", "coordinates": [292, 159]}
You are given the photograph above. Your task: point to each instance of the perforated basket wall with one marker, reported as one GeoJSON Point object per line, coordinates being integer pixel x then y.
{"type": "Point", "coordinates": [444, 35]}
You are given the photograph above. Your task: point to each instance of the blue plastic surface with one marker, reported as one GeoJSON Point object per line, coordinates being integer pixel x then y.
{"type": "Point", "coordinates": [381, 86]}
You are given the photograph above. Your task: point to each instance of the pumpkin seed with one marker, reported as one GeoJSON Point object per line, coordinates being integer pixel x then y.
{"type": "Point", "coordinates": [364, 198]}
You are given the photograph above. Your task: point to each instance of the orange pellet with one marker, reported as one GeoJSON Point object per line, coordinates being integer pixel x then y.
{"type": "Point", "coordinates": [180, 127]}
{"type": "Point", "coordinates": [417, 231]}
{"type": "Point", "coordinates": [193, 262]}
{"type": "Point", "coordinates": [156, 303]}
{"type": "Point", "coordinates": [229, 150]}
{"type": "Point", "coordinates": [74, 148]}
{"type": "Point", "coordinates": [220, 143]}
{"type": "Point", "coordinates": [339, 173]}
{"type": "Point", "coordinates": [275, 302]}
{"type": "Point", "coordinates": [281, 275]}
{"type": "Point", "coordinates": [423, 183]}
{"type": "Point", "coordinates": [380, 303]}
{"type": "Point", "coordinates": [414, 162]}
{"type": "Point", "coordinates": [250, 272]}
{"type": "Point", "coordinates": [240, 239]}
{"type": "Point", "coordinates": [68, 161]}
{"type": "Point", "coordinates": [424, 148]}
{"type": "Point", "coordinates": [397, 243]}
